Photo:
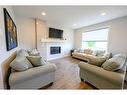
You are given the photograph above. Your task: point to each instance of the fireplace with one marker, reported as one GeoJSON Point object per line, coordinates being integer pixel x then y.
{"type": "Point", "coordinates": [55, 50]}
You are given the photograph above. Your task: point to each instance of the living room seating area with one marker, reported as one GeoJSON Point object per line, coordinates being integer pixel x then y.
{"type": "Point", "coordinates": [63, 47]}
{"type": "Point", "coordinates": [31, 71]}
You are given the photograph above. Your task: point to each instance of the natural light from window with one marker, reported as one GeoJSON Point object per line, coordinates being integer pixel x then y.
{"type": "Point", "coordinates": [95, 40]}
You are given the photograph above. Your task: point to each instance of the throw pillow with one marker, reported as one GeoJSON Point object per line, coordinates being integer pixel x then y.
{"type": "Point", "coordinates": [107, 55]}
{"type": "Point", "coordinates": [81, 50]}
{"type": "Point", "coordinates": [75, 51]}
{"type": "Point", "coordinates": [36, 60]}
{"type": "Point", "coordinates": [94, 53]}
{"type": "Point", "coordinates": [88, 51]}
{"type": "Point", "coordinates": [34, 52]}
{"type": "Point", "coordinates": [20, 64]}
{"type": "Point", "coordinates": [114, 64]}
{"type": "Point", "coordinates": [100, 53]}
{"type": "Point", "coordinates": [120, 55]}
{"type": "Point", "coordinates": [98, 61]}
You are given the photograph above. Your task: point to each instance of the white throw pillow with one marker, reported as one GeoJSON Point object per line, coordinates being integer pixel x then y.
{"type": "Point", "coordinates": [75, 51]}
{"type": "Point", "coordinates": [79, 50]}
{"type": "Point", "coordinates": [94, 53]}
{"type": "Point", "coordinates": [20, 64]}
{"type": "Point", "coordinates": [107, 55]}
{"type": "Point", "coordinates": [34, 52]}
{"type": "Point", "coordinates": [114, 63]}
{"type": "Point", "coordinates": [88, 51]}
{"type": "Point", "coordinates": [36, 60]}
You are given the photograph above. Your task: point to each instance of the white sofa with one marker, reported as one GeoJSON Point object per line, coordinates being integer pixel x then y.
{"type": "Point", "coordinates": [86, 54]}
{"type": "Point", "coordinates": [102, 78]}
{"type": "Point", "coordinates": [96, 57]}
{"type": "Point", "coordinates": [33, 77]}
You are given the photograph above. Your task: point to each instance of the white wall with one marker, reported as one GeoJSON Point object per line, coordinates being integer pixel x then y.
{"type": "Point", "coordinates": [66, 46]}
{"type": "Point", "coordinates": [26, 38]}
{"type": "Point", "coordinates": [69, 42]}
{"type": "Point", "coordinates": [117, 35]}
{"type": "Point", "coordinates": [26, 32]}
{"type": "Point", "coordinates": [3, 53]}
{"type": "Point", "coordinates": [42, 29]}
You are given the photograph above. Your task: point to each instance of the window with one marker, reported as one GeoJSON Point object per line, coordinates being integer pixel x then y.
{"type": "Point", "coordinates": [96, 40]}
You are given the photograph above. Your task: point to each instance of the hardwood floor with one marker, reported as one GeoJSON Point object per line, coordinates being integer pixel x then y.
{"type": "Point", "coordinates": [67, 75]}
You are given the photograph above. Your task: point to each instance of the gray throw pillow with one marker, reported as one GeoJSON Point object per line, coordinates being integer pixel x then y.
{"type": "Point", "coordinates": [20, 64]}
{"type": "Point", "coordinates": [98, 61]}
{"type": "Point", "coordinates": [114, 63]}
{"type": "Point", "coordinates": [100, 53]}
{"type": "Point", "coordinates": [36, 60]}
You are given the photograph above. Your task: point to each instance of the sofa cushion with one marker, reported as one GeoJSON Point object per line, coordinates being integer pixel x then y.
{"type": "Point", "coordinates": [20, 64]}
{"type": "Point", "coordinates": [36, 60]}
{"type": "Point", "coordinates": [120, 55]}
{"type": "Point", "coordinates": [114, 63]}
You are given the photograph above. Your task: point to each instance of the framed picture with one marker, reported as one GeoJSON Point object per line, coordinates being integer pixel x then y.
{"type": "Point", "coordinates": [10, 31]}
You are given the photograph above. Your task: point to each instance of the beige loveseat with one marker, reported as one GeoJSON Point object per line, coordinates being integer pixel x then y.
{"type": "Point", "coordinates": [110, 75]}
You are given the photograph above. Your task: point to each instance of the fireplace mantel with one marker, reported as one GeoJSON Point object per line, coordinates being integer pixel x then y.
{"type": "Point", "coordinates": [52, 40]}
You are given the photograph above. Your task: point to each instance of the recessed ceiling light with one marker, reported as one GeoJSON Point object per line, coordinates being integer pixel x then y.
{"type": "Point", "coordinates": [43, 13]}
{"type": "Point", "coordinates": [74, 24]}
{"type": "Point", "coordinates": [103, 14]}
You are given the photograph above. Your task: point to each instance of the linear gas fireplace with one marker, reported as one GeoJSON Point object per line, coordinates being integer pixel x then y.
{"type": "Point", "coordinates": [55, 50]}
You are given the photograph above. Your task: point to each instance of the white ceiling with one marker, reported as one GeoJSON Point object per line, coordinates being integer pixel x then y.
{"type": "Point", "coordinates": [66, 16]}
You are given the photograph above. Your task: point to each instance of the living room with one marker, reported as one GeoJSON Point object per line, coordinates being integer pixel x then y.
{"type": "Point", "coordinates": [54, 32]}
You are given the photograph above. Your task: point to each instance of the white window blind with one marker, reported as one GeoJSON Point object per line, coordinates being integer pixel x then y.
{"type": "Point", "coordinates": [96, 39]}
{"type": "Point", "coordinates": [97, 35]}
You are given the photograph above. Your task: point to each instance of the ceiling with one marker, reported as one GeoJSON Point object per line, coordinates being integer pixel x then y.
{"type": "Point", "coordinates": [67, 16]}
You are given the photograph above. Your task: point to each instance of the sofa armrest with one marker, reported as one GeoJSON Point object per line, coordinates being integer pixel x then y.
{"type": "Point", "coordinates": [113, 77]}
{"type": "Point", "coordinates": [18, 77]}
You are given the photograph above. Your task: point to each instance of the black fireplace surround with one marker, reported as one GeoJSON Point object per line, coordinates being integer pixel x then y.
{"type": "Point", "coordinates": [55, 50]}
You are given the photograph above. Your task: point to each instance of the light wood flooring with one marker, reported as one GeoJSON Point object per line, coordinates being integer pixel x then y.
{"type": "Point", "coordinates": [67, 75]}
